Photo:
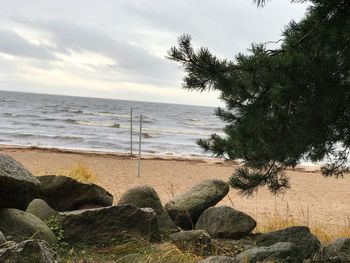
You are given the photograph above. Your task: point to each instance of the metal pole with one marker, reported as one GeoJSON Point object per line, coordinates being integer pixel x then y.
{"type": "Point", "coordinates": [131, 131]}
{"type": "Point", "coordinates": [140, 135]}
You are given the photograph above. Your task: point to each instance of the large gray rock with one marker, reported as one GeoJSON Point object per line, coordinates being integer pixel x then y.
{"type": "Point", "coordinates": [66, 194]}
{"type": "Point", "coordinates": [225, 222]}
{"type": "Point", "coordinates": [306, 242]}
{"type": "Point", "coordinates": [41, 209]}
{"type": "Point", "coordinates": [22, 226]}
{"type": "Point", "coordinates": [280, 252]}
{"type": "Point", "coordinates": [146, 196]}
{"type": "Point", "coordinates": [186, 208]}
{"type": "Point", "coordinates": [2, 238]}
{"type": "Point", "coordinates": [219, 259]}
{"type": "Point", "coordinates": [337, 251]}
{"type": "Point", "coordinates": [17, 185]}
{"type": "Point", "coordinates": [195, 241]}
{"type": "Point", "coordinates": [29, 251]}
{"type": "Point", "coordinates": [105, 225]}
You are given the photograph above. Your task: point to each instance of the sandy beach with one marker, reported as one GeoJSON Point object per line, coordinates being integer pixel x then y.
{"type": "Point", "coordinates": [312, 198]}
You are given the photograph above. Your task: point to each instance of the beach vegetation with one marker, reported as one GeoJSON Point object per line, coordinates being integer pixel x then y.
{"type": "Point", "coordinates": [285, 101]}
{"type": "Point", "coordinates": [134, 249]}
{"type": "Point", "coordinates": [81, 172]}
{"type": "Point", "coordinates": [324, 232]}
{"type": "Point", "coordinates": [53, 223]}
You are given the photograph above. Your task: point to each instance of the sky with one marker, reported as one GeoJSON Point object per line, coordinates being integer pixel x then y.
{"type": "Point", "coordinates": [117, 49]}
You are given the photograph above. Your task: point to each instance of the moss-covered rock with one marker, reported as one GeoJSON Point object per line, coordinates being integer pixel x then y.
{"type": "Point", "coordinates": [22, 226]}
{"type": "Point", "coordinates": [41, 209]}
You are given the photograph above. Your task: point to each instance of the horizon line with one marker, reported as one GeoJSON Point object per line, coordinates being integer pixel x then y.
{"type": "Point", "coordinates": [103, 98]}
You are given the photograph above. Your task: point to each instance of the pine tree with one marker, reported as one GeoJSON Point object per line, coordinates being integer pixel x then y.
{"type": "Point", "coordinates": [281, 105]}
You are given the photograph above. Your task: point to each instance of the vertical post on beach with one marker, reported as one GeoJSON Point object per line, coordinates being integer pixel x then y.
{"type": "Point", "coordinates": [131, 131]}
{"type": "Point", "coordinates": [139, 159]}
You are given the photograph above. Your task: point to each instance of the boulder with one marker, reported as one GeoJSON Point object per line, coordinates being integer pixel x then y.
{"type": "Point", "coordinates": [280, 252]}
{"type": "Point", "coordinates": [146, 196]}
{"type": "Point", "coordinates": [306, 242]}
{"type": "Point", "coordinates": [105, 225]}
{"type": "Point", "coordinates": [63, 193]}
{"type": "Point", "coordinates": [186, 208]}
{"type": "Point", "coordinates": [225, 222]}
{"type": "Point", "coordinates": [2, 238]}
{"type": "Point", "coordinates": [41, 209]}
{"type": "Point", "coordinates": [22, 226]}
{"type": "Point", "coordinates": [17, 185]}
{"type": "Point", "coordinates": [337, 251]}
{"type": "Point", "coordinates": [195, 241]}
{"type": "Point", "coordinates": [33, 251]}
{"type": "Point", "coordinates": [219, 259]}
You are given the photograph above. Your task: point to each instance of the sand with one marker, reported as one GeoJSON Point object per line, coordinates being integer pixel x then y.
{"type": "Point", "coordinates": [312, 198]}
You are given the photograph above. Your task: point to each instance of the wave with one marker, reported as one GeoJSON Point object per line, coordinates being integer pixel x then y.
{"type": "Point", "coordinates": [60, 137]}
{"type": "Point", "coordinates": [7, 100]}
{"type": "Point", "coordinates": [93, 113]}
{"type": "Point", "coordinates": [193, 119]}
{"type": "Point", "coordinates": [49, 119]}
{"type": "Point", "coordinates": [75, 111]}
{"type": "Point", "coordinates": [70, 121]}
{"type": "Point", "coordinates": [10, 114]}
{"type": "Point", "coordinates": [161, 131]}
{"type": "Point", "coordinates": [37, 124]}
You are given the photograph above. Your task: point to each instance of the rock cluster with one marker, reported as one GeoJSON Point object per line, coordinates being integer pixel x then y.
{"type": "Point", "coordinates": [146, 196]}
{"type": "Point", "coordinates": [186, 208]}
{"type": "Point", "coordinates": [191, 221]}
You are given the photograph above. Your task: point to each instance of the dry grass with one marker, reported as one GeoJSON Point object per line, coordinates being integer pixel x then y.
{"type": "Point", "coordinates": [135, 249]}
{"type": "Point", "coordinates": [325, 233]}
{"type": "Point", "coordinates": [81, 172]}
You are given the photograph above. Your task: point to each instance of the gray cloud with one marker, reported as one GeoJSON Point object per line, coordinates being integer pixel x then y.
{"type": "Point", "coordinates": [135, 35]}
{"type": "Point", "coordinates": [129, 59]}
{"type": "Point", "coordinates": [13, 44]}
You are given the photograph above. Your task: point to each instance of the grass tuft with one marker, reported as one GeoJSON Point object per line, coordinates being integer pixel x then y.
{"type": "Point", "coordinates": [81, 172]}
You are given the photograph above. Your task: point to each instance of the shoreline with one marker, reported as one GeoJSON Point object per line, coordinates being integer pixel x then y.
{"type": "Point", "coordinates": [121, 155]}
{"type": "Point", "coordinates": [313, 168]}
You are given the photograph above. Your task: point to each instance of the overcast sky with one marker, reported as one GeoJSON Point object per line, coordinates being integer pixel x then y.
{"type": "Point", "coordinates": [116, 49]}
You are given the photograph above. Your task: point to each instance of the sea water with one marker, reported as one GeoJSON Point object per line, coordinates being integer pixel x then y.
{"type": "Point", "coordinates": [96, 124]}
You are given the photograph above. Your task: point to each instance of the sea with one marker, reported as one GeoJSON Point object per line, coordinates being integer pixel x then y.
{"type": "Point", "coordinates": [94, 124]}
